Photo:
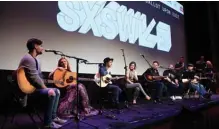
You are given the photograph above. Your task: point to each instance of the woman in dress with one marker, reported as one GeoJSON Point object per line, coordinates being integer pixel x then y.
{"type": "Point", "coordinates": [68, 104]}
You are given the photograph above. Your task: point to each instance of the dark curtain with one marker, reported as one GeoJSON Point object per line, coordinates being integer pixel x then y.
{"type": "Point", "coordinates": [213, 21]}
{"type": "Point", "coordinates": [202, 31]}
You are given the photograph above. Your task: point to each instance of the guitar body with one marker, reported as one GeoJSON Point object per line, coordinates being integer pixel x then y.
{"type": "Point", "coordinates": [101, 81]}
{"type": "Point", "coordinates": [150, 78]}
{"type": "Point", "coordinates": [105, 80]}
{"type": "Point", "coordinates": [63, 78]}
{"type": "Point", "coordinates": [23, 83]}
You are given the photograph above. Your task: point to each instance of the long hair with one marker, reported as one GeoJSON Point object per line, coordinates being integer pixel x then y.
{"type": "Point", "coordinates": [134, 64]}
{"type": "Point", "coordinates": [60, 64]}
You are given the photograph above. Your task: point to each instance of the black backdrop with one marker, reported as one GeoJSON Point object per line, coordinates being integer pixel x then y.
{"type": "Point", "coordinates": [202, 30]}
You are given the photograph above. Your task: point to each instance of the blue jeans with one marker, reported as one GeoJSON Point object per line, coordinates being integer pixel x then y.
{"type": "Point", "coordinates": [116, 92]}
{"type": "Point", "coordinates": [160, 87]}
{"type": "Point", "coordinates": [199, 88]}
{"type": "Point", "coordinates": [51, 108]}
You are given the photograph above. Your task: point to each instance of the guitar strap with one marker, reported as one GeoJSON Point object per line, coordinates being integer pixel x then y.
{"type": "Point", "coordinates": [37, 66]}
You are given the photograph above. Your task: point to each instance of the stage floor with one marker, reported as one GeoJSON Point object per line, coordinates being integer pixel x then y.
{"type": "Point", "coordinates": [135, 116]}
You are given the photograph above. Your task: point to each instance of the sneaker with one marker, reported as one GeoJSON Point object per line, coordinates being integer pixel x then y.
{"type": "Point", "coordinates": [172, 97]}
{"type": "Point", "coordinates": [178, 97]}
{"type": "Point", "coordinates": [53, 125]}
{"type": "Point", "coordinates": [59, 121]}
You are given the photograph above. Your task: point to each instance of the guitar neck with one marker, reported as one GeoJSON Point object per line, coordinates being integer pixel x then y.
{"type": "Point", "coordinates": [158, 77]}
{"type": "Point", "coordinates": [85, 79]}
{"type": "Point", "coordinates": [113, 78]}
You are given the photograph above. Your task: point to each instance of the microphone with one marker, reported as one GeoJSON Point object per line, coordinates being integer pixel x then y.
{"type": "Point", "coordinates": [142, 55]}
{"type": "Point", "coordinates": [84, 61]}
{"type": "Point", "coordinates": [49, 50]}
{"type": "Point", "coordinates": [122, 49]}
{"type": "Point", "coordinates": [162, 66]}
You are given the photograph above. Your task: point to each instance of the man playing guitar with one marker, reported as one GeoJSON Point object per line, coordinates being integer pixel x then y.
{"type": "Point", "coordinates": [33, 72]}
{"type": "Point", "coordinates": [157, 80]}
{"type": "Point", "coordinates": [104, 70]}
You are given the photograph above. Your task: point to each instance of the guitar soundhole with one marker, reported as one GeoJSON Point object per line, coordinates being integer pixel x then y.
{"type": "Point", "coordinates": [70, 79]}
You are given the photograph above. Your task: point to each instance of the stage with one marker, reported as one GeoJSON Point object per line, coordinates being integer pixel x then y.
{"type": "Point", "coordinates": [180, 114]}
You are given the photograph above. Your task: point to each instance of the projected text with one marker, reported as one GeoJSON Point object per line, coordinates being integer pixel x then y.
{"type": "Point", "coordinates": [111, 20]}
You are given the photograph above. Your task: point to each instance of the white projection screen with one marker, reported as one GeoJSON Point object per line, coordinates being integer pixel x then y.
{"type": "Point", "coordinates": [93, 31]}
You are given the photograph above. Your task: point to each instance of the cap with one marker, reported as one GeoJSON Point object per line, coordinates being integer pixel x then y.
{"type": "Point", "coordinates": [190, 65]}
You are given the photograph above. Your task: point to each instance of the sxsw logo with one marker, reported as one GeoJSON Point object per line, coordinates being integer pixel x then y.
{"type": "Point", "coordinates": [111, 20]}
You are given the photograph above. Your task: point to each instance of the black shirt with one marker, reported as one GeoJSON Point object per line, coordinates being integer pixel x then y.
{"type": "Point", "coordinates": [171, 74]}
{"type": "Point", "coordinates": [200, 65]}
{"type": "Point", "coordinates": [188, 74]}
{"type": "Point", "coordinates": [152, 72]}
{"type": "Point", "coordinates": [209, 72]}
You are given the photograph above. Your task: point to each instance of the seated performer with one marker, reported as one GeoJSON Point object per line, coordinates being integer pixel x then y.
{"type": "Point", "coordinates": [189, 76]}
{"type": "Point", "coordinates": [172, 83]}
{"type": "Point", "coordinates": [209, 70]}
{"type": "Point", "coordinates": [209, 73]}
{"type": "Point", "coordinates": [200, 65]}
{"type": "Point", "coordinates": [68, 104]}
{"type": "Point", "coordinates": [104, 70]}
{"type": "Point", "coordinates": [156, 81]}
{"type": "Point", "coordinates": [131, 79]}
{"type": "Point", "coordinates": [180, 67]}
{"type": "Point", "coordinates": [33, 70]}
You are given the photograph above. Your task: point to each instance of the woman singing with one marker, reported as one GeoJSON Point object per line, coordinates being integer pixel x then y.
{"type": "Point", "coordinates": [68, 103]}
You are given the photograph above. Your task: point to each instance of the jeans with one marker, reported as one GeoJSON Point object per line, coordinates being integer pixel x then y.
{"type": "Point", "coordinates": [199, 88]}
{"type": "Point", "coordinates": [174, 90]}
{"type": "Point", "coordinates": [138, 88]}
{"type": "Point", "coordinates": [51, 108]}
{"type": "Point", "coordinates": [116, 92]}
{"type": "Point", "coordinates": [160, 87]}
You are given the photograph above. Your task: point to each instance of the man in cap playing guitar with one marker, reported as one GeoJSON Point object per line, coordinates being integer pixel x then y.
{"type": "Point", "coordinates": [105, 70]}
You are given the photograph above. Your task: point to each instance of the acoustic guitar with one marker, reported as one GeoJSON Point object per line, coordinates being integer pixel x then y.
{"type": "Point", "coordinates": [61, 79]}
{"type": "Point", "coordinates": [150, 78]}
{"type": "Point", "coordinates": [195, 80]}
{"type": "Point", "coordinates": [105, 80]}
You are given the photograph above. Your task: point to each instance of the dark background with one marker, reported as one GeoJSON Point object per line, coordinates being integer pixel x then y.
{"type": "Point", "coordinates": [201, 28]}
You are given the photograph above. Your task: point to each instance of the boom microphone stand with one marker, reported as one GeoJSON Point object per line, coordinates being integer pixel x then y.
{"type": "Point", "coordinates": [78, 60]}
{"type": "Point", "coordinates": [123, 54]}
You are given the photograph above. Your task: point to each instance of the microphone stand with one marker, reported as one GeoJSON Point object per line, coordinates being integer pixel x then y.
{"type": "Point", "coordinates": [123, 54]}
{"type": "Point", "coordinates": [147, 61]}
{"type": "Point", "coordinates": [126, 102]}
{"type": "Point", "coordinates": [78, 60]}
{"type": "Point", "coordinates": [100, 87]}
